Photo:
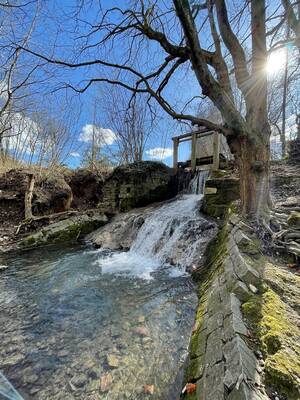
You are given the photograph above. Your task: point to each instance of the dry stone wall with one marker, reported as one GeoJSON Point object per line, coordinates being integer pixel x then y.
{"type": "Point", "coordinates": [223, 363]}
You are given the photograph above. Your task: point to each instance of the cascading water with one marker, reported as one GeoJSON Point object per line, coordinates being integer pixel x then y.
{"type": "Point", "coordinates": [70, 329]}
{"type": "Point", "coordinates": [197, 184]}
{"type": "Point", "coordinates": [172, 234]}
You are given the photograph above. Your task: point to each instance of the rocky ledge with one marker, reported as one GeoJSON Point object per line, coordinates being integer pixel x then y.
{"type": "Point", "coordinates": [245, 342]}
{"type": "Point", "coordinates": [69, 229]}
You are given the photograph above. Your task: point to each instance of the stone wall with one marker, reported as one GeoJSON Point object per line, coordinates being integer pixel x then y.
{"type": "Point", "coordinates": [136, 185]}
{"type": "Point", "coordinates": [227, 357]}
{"type": "Point", "coordinates": [221, 189]}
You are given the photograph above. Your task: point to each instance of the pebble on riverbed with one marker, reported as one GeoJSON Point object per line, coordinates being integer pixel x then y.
{"type": "Point", "coordinates": [112, 361]}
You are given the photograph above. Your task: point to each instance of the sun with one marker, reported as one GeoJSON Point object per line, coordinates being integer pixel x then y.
{"type": "Point", "coordinates": [276, 61]}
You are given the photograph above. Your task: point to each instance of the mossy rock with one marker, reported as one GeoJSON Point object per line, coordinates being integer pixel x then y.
{"type": "Point", "coordinates": [294, 219]}
{"type": "Point", "coordinates": [279, 339]}
{"type": "Point", "coordinates": [64, 231]}
{"type": "Point", "coordinates": [219, 194]}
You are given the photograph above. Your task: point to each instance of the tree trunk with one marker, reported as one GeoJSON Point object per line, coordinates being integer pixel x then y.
{"type": "Point", "coordinates": [253, 163]}
{"type": "Point", "coordinates": [28, 197]}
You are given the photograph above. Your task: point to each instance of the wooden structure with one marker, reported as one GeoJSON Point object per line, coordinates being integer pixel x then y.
{"type": "Point", "coordinates": [213, 161]}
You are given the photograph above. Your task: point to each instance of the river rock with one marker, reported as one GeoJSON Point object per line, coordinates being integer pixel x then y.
{"type": "Point", "coordinates": [79, 380]}
{"type": "Point", "coordinates": [112, 361]}
{"type": "Point", "coordinates": [13, 360]}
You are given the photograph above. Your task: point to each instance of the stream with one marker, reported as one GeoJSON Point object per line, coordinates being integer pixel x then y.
{"type": "Point", "coordinates": [85, 323]}
{"type": "Point", "coordinates": [64, 319]}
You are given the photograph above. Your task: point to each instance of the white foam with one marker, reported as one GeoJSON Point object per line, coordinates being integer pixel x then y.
{"type": "Point", "coordinates": [129, 263]}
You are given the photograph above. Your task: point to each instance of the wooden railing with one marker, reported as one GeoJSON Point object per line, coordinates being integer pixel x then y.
{"type": "Point", "coordinates": [193, 136]}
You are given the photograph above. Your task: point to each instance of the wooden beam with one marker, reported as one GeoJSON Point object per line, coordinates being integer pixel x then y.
{"type": "Point", "coordinates": [188, 136]}
{"type": "Point", "coordinates": [175, 154]}
{"type": "Point", "coordinates": [216, 151]}
{"type": "Point", "coordinates": [193, 151]}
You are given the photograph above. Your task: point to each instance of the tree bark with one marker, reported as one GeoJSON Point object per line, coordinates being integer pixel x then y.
{"type": "Point", "coordinates": [254, 166]}
{"type": "Point", "coordinates": [28, 197]}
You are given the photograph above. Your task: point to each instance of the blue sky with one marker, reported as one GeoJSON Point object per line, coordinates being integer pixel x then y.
{"type": "Point", "coordinates": [55, 35]}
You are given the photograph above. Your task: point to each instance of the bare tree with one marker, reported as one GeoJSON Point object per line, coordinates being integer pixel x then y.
{"type": "Point", "coordinates": [204, 37]}
{"type": "Point", "coordinates": [131, 123]}
{"type": "Point", "coordinates": [16, 74]}
{"type": "Point", "coordinates": [292, 17]}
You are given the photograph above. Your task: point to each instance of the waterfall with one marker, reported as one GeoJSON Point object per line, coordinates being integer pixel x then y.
{"type": "Point", "coordinates": [174, 233]}
{"type": "Point", "coordinates": [197, 184]}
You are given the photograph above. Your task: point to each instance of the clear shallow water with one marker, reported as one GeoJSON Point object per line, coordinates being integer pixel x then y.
{"type": "Point", "coordinates": [64, 311]}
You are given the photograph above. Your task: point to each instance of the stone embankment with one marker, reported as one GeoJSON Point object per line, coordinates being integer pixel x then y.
{"type": "Point", "coordinates": [245, 342]}
{"type": "Point", "coordinates": [55, 196]}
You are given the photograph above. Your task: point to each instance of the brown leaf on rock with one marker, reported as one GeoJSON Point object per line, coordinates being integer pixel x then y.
{"type": "Point", "coordinates": [191, 388]}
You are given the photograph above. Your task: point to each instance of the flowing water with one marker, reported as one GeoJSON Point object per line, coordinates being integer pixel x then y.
{"type": "Point", "coordinates": [85, 323]}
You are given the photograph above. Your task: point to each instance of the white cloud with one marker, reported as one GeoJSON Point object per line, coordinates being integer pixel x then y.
{"type": "Point", "coordinates": [74, 154]}
{"type": "Point", "coordinates": [103, 136]}
{"type": "Point", "coordinates": [23, 133]}
{"type": "Point", "coordinates": [159, 153]}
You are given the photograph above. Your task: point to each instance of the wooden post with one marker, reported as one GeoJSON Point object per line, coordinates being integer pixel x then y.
{"type": "Point", "coordinates": [175, 154]}
{"type": "Point", "coordinates": [28, 197]}
{"type": "Point", "coordinates": [216, 151]}
{"type": "Point", "coordinates": [193, 152]}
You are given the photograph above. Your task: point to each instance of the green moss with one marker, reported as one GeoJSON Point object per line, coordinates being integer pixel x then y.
{"type": "Point", "coordinates": [278, 337]}
{"type": "Point", "coordinates": [70, 232]}
{"type": "Point", "coordinates": [29, 241]}
{"type": "Point", "coordinates": [215, 254]}
{"type": "Point", "coordinates": [282, 370]}
{"type": "Point", "coordinates": [294, 219]}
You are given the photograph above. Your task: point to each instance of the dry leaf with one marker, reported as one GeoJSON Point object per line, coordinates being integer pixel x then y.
{"type": "Point", "coordinates": [191, 388]}
{"type": "Point", "coordinates": [142, 330]}
{"type": "Point", "coordinates": [149, 389]}
{"type": "Point", "coordinates": [106, 381]}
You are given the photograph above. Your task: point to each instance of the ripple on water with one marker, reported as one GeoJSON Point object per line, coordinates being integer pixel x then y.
{"type": "Point", "coordinates": [69, 314]}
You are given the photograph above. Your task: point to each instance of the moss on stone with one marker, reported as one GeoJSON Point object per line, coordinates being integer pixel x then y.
{"type": "Point", "coordinates": [294, 219]}
{"type": "Point", "coordinates": [215, 253]}
{"type": "Point", "coordinates": [29, 241]}
{"type": "Point", "coordinates": [63, 231]}
{"type": "Point", "coordinates": [279, 339]}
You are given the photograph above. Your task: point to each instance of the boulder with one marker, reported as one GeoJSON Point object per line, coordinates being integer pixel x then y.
{"type": "Point", "coordinates": [51, 194]}
{"type": "Point", "coordinates": [86, 187]}
{"type": "Point", "coordinates": [65, 230]}
{"type": "Point", "coordinates": [136, 185]}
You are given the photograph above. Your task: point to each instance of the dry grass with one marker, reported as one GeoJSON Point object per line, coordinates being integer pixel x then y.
{"type": "Point", "coordinates": [8, 163]}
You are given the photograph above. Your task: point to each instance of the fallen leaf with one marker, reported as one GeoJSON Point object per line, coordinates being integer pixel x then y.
{"type": "Point", "coordinates": [142, 330]}
{"type": "Point", "coordinates": [292, 266]}
{"type": "Point", "coordinates": [191, 388]}
{"type": "Point", "coordinates": [149, 389]}
{"type": "Point", "coordinates": [106, 381]}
